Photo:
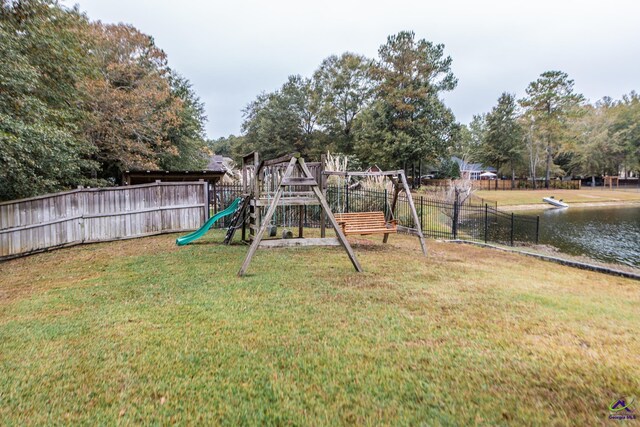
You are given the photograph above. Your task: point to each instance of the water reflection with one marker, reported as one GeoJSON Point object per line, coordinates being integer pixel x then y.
{"type": "Point", "coordinates": [607, 233]}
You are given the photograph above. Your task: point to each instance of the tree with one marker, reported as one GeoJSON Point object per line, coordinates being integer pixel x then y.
{"type": "Point", "coordinates": [285, 120]}
{"type": "Point", "coordinates": [626, 128]}
{"type": "Point", "coordinates": [408, 121]}
{"type": "Point", "coordinates": [551, 103]}
{"type": "Point", "coordinates": [43, 56]}
{"type": "Point", "coordinates": [130, 102]}
{"type": "Point", "coordinates": [534, 149]}
{"type": "Point", "coordinates": [231, 146]}
{"type": "Point", "coordinates": [80, 102]}
{"type": "Point", "coordinates": [463, 144]}
{"type": "Point", "coordinates": [449, 169]}
{"type": "Point", "coordinates": [346, 89]}
{"type": "Point", "coordinates": [590, 150]}
{"type": "Point", "coordinates": [469, 138]}
{"type": "Point", "coordinates": [187, 136]}
{"type": "Point", "coordinates": [303, 99]}
{"type": "Point", "coordinates": [477, 134]}
{"type": "Point", "coordinates": [502, 142]}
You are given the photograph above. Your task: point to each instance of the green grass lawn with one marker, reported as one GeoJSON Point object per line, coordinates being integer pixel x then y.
{"type": "Point", "coordinates": [141, 331]}
{"type": "Point", "coordinates": [527, 197]}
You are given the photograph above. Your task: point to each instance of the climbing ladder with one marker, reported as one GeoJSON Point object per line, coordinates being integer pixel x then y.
{"type": "Point", "coordinates": [237, 219]}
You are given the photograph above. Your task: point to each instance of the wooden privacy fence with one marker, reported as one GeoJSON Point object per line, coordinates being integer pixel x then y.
{"type": "Point", "coordinates": [99, 215]}
{"type": "Point", "coordinates": [505, 184]}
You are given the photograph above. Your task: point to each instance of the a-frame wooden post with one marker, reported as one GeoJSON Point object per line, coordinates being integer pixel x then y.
{"type": "Point", "coordinates": [307, 180]}
{"type": "Point", "coordinates": [326, 210]}
{"type": "Point", "coordinates": [394, 202]}
{"type": "Point", "coordinates": [416, 219]}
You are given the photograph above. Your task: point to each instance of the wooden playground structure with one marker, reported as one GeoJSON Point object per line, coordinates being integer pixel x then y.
{"type": "Point", "coordinates": [290, 182]}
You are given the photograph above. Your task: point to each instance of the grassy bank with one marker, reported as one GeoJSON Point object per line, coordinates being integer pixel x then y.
{"type": "Point", "coordinates": [585, 196]}
{"type": "Point", "coordinates": [141, 331]}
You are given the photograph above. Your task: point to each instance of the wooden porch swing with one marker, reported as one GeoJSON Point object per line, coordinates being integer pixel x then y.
{"type": "Point", "coordinates": [365, 223]}
{"type": "Point", "coordinates": [376, 222]}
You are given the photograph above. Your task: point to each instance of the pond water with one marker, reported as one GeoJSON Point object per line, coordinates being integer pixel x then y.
{"type": "Point", "coordinates": [610, 234]}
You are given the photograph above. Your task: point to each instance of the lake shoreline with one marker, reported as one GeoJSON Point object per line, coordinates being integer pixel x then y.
{"type": "Point", "coordinates": [558, 257]}
{"type": "Point", "coordinates": [539, 206]}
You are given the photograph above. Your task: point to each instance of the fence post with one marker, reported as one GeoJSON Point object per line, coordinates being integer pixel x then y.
{"type": "Point", "coordinates": [207, 213]}
{"type": "Point", "coordinates": [486, 221]}
{"type": "Point", "coordinates": [537, 229]}
{"type": "Point", "coordinates": [215, 198]}
{"type": "Point", "coordinates": [512, 218]}
{"type": "Point", "coordinates": [421, 214]}
{"type": "Point", "coordinates": [454, 224]}
{"type": "Point", "coordinates": [346, 189]}
{"type": "Point", "coordinates": [386, 212]}
{"type": "Point", "coordinates": [82, 211]}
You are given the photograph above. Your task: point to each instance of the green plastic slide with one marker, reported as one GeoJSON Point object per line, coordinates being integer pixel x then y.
{"type": "Point", "coordinates": [185, 240]}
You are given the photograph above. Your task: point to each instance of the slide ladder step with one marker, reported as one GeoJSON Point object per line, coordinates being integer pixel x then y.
{"type": "Point", "coordinates": [238, 215]}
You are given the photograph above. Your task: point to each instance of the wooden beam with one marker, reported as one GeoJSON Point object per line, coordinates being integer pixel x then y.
{"type": "Point", "coordinates": [289, 201]}
{"type": "Point", "coordinates": [416, 219]}
{"type": "Point", "coordinates": [394, 202]}
{"type": "Point", "coordinates": [277, 201]}
{"type": "Point", "coordinates": [265, 221]}
{"type": "Point", "coordinates": [301, 221]}
{"type": "Point", "coordinates": [256, 175]}
{"type": "Point", "coordinates": [407, 230]}
{"type": "Point", "coordinates": [325, 207]}
{"type": "Point", "coordinates": [291, 243]}
{"type": "Point", "coordinates": [258, 237]}
{"type": "Point", "coordinates": [381, 173]}
{"type": "Point", "coordinates": [248, 156]}
{"type": "Point", "coordinates": [281, 159]}
{"type": "Point", "coordinates": [302, 181]}
{"type": "Point", "coordinates": [244, 225]}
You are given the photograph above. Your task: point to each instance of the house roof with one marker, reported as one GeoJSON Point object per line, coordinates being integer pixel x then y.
{"type": "Point", "coordinates": [472, 167]}
{"type": "Point", "coordinates": [216, 164]}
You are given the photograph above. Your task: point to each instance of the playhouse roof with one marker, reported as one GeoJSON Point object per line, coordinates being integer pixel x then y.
{"type": "Point", "coordinates": [213, 172]}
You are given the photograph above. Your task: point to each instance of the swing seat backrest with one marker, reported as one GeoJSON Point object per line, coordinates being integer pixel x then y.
{"type": "Point", "coordinates": [363, 223]}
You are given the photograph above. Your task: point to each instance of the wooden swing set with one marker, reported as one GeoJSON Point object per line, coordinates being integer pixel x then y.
{"type": "Point", "coordinates": [367, 223]}
{"type": "Point", "coordinates": [290, 182]}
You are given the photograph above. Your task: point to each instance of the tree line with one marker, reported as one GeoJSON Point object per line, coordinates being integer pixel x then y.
{"type": "Point", "coordinates": [389, 111]}
{"type": "Point", "coordinates": [386, 110]}
{"type": "Point", "coordinates": [82, 101]}
{"type": "Point", "coordinates": [553, 132]}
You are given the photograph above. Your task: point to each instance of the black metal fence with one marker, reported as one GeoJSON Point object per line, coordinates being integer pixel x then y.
{"type": "Point", "coordinates": [470, 219]}
{"type": "Point", "coordinates": [220, 197]}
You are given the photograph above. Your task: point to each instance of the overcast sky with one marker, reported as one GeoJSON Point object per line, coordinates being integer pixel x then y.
{"type": "Point", "coordinates": [233, 50]}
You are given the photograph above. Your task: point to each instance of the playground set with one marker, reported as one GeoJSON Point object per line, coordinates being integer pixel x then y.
{"type": "Point", "coordinates": [291, 183]}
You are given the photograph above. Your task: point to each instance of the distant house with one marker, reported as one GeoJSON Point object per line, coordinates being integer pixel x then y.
{"type": "Point", "coordinates": [216, 163]}
{"type": "Point", "coordinates": [472, 170]}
